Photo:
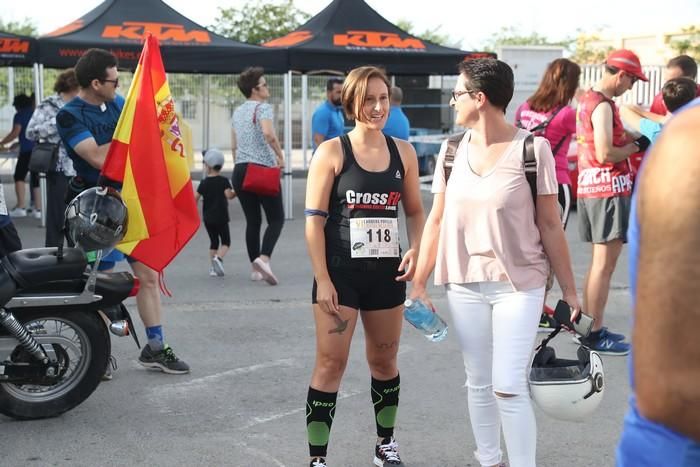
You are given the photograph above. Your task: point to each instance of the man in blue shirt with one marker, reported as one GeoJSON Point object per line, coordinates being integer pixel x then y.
{"type": "Point", "coordinates": [327, 121]}
{"type": "Point", "coordinates": [86, 125]}
{"type": "Point", "coordinates": [661, 426]}
{"type": "Point", "coordinates": [676, 93]}
{"type": "Point", "coordinates": [397, 124]}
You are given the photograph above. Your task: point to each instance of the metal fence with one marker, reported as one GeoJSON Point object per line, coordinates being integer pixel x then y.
{"type": "Point", "coordinates": [207, 102]}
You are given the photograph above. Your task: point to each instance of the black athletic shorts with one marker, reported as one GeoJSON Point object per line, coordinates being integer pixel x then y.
{"type": "Point", "coordinates": [365, 284]}
{"type": "Point", "coordinates": [216, 232]}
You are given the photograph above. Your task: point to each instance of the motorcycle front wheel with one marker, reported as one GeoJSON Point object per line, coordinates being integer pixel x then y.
{"type": "Point", "coordinates": [82, 349]}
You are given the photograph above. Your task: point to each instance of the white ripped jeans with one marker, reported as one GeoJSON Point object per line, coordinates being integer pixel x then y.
{"type": "Point", "coordinates": [497, 327]}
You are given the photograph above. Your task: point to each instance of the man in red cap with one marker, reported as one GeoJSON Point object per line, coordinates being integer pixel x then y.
{"type": "Point", "coordinates": [605, 188]}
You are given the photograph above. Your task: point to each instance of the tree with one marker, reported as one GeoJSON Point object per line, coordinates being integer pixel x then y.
{"type": "Point", "coordinates": [586, 51]}
{"type": "Point", "coordinates": [513, 36]}
{"type": "Point", "coordinates": [434, 35]}
{"type": "Point", "coordinates": [25, 27]}
{"type": "Point", "coordinates": [690, 44]}
{"type": "Point", "coordinates": [256, 23]}
{"type": "Point", "coordinates": [583, 49]}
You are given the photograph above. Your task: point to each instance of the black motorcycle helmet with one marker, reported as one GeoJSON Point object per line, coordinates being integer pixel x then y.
{"type": "Point", "coordinates": [96, 218]}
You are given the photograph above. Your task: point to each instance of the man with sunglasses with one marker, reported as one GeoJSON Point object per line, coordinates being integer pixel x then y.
{"type": "Point", "coordinates": [605, 188]}
{"type": "Point", "coordinates": [86, 125]}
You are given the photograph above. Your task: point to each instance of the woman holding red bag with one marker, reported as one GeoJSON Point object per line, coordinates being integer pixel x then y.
{"type": "Point", "coordinates": [255, 147]}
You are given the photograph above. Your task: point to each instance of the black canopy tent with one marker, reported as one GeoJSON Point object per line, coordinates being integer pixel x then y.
{"type": "Point", "coordinates": [349, 33]}
{"type": "Point", "coordinates": [16, 50]}
{"type": "Point", "coordinates": [120, 26]}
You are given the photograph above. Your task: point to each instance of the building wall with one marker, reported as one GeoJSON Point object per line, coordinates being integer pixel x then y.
{"type": "Point", "coordinates": [652, 48]}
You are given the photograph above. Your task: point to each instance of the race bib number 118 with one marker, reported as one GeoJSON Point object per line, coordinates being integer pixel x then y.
{"type": "Point", "coordinates": [374, 237]}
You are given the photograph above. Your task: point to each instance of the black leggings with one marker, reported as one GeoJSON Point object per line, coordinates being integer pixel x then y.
{"type": "Point", "coordinates": [216, 232]}
{"type": "Point", "coordinates": [22, 167]}
{"type": "Point", "coordinates": [251, 203]}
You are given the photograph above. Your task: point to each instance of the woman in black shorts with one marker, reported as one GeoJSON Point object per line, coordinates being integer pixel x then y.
{"type": "Point", "coordinates": [354, 187]}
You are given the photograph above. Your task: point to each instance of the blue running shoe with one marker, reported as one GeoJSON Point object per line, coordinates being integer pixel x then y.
{"type": "Point", "coordinates": [605, 333]}
{"type": "Point", "coordinates": [604, 345]}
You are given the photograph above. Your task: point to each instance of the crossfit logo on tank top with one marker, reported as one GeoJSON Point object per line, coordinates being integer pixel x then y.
{"type": "Point", "coordinates": [374, 201]}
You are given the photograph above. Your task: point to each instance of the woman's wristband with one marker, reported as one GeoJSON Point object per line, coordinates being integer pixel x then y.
{"type": "Point", "coordinates": [315, 212]}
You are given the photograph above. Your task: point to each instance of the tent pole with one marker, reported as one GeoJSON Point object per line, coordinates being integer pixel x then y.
{"type": "Point", "coordinates": [205, 112]}
{"type": "Point", "coordinates": [304, 115]}
{"type": "Point", "coordinates": [10, 84]}
{"type": "Point", "coordinates": [38, 70]}
{"type": "Point", "coordinates": [41, 82]}
{"type": "Point", "coordinates": [287, 188]}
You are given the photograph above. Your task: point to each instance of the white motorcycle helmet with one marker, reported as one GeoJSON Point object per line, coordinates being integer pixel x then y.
{"type": "Point", "coordinates": [567, 389]}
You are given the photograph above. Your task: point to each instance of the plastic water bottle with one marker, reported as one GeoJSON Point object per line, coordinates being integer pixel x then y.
{"type": "Point", "coordinates": [425, 320]}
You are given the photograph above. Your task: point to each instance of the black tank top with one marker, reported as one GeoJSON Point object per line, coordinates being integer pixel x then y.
{"type": "Point", "coordinates": [358, 193]}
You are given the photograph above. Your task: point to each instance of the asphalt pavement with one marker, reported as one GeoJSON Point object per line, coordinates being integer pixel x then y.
{"type": "Point", "coordinates": [251, 349]}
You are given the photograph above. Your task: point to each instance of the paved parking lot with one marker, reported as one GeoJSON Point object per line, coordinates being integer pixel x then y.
{"type": "Point", "coordinates": [251, 349]}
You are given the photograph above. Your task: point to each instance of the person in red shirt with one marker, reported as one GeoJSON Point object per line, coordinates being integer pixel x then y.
{"type": "Point", "coordinates": [681, 66]}
{"type": "Point", "coordinates": [604, 188]}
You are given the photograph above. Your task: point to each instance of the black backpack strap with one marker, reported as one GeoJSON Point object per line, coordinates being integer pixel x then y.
{"type": "Point", "coordinates": [449, 162]}
{"type": "Point", "coordinates": [543, 126]}
{"type": "Point", "coordinates": [530, 165]}
{"type": "Point", "coordinates": [558, 146]}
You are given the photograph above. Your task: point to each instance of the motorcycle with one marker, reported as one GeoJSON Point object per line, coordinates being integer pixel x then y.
{"type": "Point", "coordinates": [55, 313]}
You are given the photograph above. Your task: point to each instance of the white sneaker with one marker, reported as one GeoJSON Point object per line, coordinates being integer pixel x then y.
{"type": "Point", "coordinates": [218, 266]}
{"type": "Point", "coordinates": [256, 276]}
{"type": "Point", "coordinates": [264, 268]}
{"type": "Point", "coordinates": [36, 214]}
{"type": "Point", "coordinates": [212, 273]}
{"type": "Point", "coordinates": [18, 212]}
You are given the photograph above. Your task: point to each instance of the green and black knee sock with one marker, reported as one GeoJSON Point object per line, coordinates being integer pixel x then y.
{"type": "Point", "coordinates": [385, 396]}
{"type": "Point", "coordinates": [320, 410]}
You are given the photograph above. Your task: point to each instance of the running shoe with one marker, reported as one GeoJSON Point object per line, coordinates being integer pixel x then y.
{"type": "Point", "coordinates": [212, 273]}
{"type": "Point", "coordinates": [318, 462]}
{"type": "Point", "coordinates": [256, 276]}
{"type": "Point", "coordinates": [264, 268]}
{"type": "Point", "coordinates": [547, 323]}
{"type": "Point", "coordinates": [605, 345]}
{"type": "Point", "coordinates": [163, 360]}
{"type": "Point", "coordinates": [386, 453]}
{"type": "Point", "coordinates": [18, 212]}
{"type": "Point", "coordinates": [36, 214]}
{"type": "Point", "coordinates": [605, 333]}
{"type": "Point", "coordinates": [218, 266]}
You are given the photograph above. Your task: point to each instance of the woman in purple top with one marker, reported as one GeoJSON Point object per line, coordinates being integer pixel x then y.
{"type": "Point", "coordinates": [547, 113]}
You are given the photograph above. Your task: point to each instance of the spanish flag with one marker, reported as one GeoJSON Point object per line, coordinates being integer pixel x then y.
{"type": "Point", "coordinates": [147, 156]}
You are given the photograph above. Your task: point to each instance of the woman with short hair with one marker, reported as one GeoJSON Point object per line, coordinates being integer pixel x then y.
{"type": "Point", "coordinates": [488, 239]}
{"type": "Point", "coordinates": [353, 191]}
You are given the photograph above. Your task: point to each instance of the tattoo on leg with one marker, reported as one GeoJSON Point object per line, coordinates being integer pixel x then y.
{"type": "Point", "coordinates": [387, 345]}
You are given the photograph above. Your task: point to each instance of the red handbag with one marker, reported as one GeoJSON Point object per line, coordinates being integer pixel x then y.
{"type": "Point", "coordinates": [262, 180]}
